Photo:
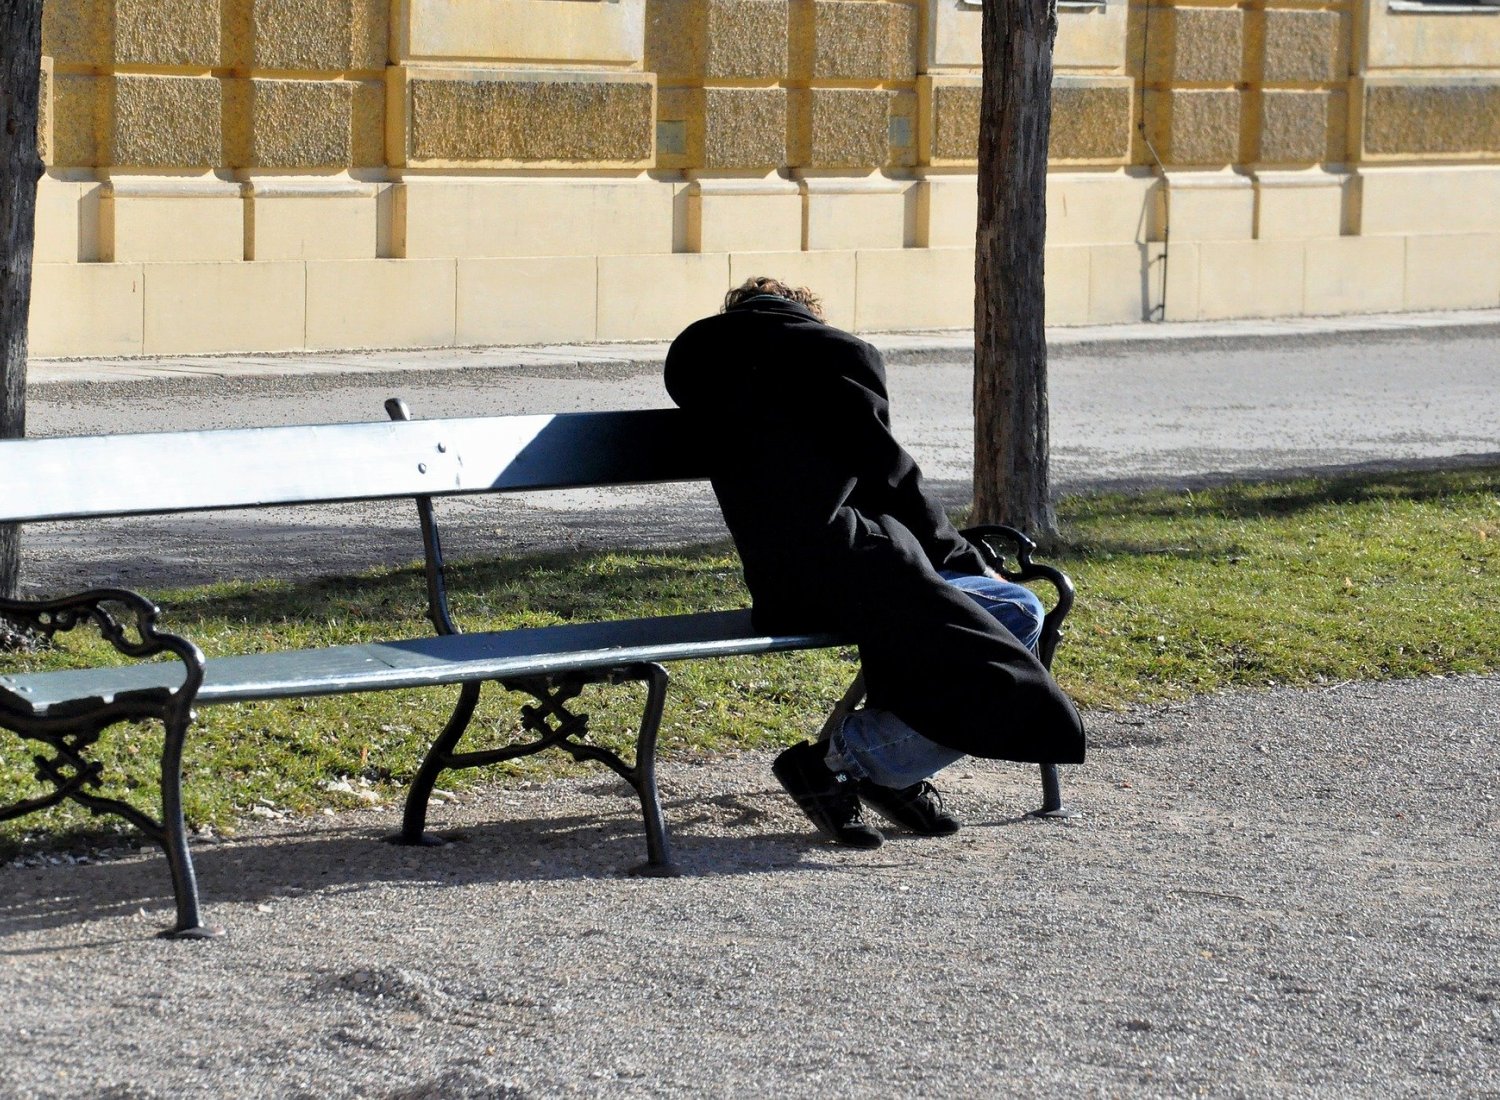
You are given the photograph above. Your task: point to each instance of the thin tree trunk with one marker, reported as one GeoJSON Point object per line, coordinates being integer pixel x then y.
{"type": "Point", "coordinates": [20, 168]}
{"type": "Point", "coordinates": [1010, 341]}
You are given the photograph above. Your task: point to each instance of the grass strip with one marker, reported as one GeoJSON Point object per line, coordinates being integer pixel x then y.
{"type": "Point", "coordinates": [1302, 582]}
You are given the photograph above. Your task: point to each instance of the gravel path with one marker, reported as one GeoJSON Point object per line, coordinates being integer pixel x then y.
{"type": "Point", "coordinates": [1274, 893]}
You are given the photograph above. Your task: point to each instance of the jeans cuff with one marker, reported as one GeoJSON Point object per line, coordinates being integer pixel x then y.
{"type": "Point", "coordinates": [840, 759]}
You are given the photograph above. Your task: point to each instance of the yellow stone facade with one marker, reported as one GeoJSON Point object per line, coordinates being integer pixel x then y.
{"type": "Point", "coordinates": [233, 175]}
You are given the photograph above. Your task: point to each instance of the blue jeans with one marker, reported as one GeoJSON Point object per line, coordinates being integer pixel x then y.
{"type": "Point", "coordinates": [876, 745]}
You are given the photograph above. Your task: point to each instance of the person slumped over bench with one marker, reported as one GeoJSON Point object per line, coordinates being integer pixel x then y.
{"type": "Point", "coordinates": [788, 416]}
{"type": "Point", "coordinates": [836, 532]}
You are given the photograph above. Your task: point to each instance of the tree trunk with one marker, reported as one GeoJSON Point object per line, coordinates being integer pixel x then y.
{"type": "Point", "coordinates": [20, 168]}
{"type": "Point", "coordinates": [1010, 340]}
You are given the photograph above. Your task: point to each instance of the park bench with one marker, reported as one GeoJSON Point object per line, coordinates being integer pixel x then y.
{"type": "Point", "coordinates": [65, 712]}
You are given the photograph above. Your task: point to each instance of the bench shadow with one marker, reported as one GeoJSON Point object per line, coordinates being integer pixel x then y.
{"type": "Point", "coordinates": [1285, 494]}
{"type": "Point", "coordinates": [1297, 488]}
{"type": "Point", "coordinates": [1243, 492]}
{"type": "Point", "coordinates": [676, 578]}
{"type": "Point", "coordinates": [279, 864]}
{"type": "Point", "coordinates": [162, 555]}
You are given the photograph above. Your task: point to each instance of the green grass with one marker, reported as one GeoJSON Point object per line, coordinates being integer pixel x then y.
{"type": "Point", "coordinates": [1288, 583]}
{"type": "Point", "coordinates": [1179, 593]}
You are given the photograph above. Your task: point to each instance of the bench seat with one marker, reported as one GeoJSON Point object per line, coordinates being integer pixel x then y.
{"type": "Point", "coordinates": [417, 662]}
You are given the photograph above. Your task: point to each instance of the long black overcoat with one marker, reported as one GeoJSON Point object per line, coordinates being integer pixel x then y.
{"type": "Point", "coordinates": [836, 532]}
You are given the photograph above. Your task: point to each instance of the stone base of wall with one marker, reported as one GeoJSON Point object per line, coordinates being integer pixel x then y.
{"type": "Point", "coordinates": [162, 266]}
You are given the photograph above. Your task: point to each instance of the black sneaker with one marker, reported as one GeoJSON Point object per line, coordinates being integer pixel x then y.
{"type": "Point", "coordinates": [918, 807]}
{"type": "Point", "coordinates": [827, 797]}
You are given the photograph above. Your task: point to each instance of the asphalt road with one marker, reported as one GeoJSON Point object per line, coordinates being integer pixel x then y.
{"type": "Point", "coordinates": [1124, 414]}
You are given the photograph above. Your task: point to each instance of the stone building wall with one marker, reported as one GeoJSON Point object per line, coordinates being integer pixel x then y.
{"type": "Point", "coordinates": [232, 175]}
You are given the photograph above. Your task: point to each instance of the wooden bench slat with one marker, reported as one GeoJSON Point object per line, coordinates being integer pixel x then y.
{"type": "Point", "coordinates": [159, 472]}
{"type": "Point", "coordinates": [336, 670]}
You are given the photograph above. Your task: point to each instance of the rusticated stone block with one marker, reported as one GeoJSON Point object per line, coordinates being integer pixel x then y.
{"type": "Point", "coordinates": [676, 39]}
{"type": "Point", "coordinates": [167, 32]}
{"type": "Point", "coordinates": [1195, 127]}
{"type": "Point", "coordinates": [1196, 46]}
{"type": "Point", "coordinates": [368, 141]}
{"type": "Point", "coordinates": [80, 120]}
{"type": "Point", "coordinates": [78, 32]}
{"type": "Point", "coordinates": [1301, 127]}
{"type": "Point", "coordinates": [863, 40]}
{"type": "Point", "coordinates": [955, 122]}
{"type": "Point", "coordinates": [301, 123]}
{"type": "Point", "coordinates": [746, 39]}
{"type": "Point", "coordinates": [167, 122]}
{"type": "Point", "coordinates": [1433, 118]}
{"type": "Point", "coordinates": [323, 35]}
{"type": "Point", "coordinates": [1302, 46]}
{"type": "Point", "coordinates": [493, 117]}
{"type": "Point", "coordinates": [847, 128]}
{"type": "Point", "coordinates": [717, 39]}
{"type": "Point", "coordinates": [903, 26]}
{"type": "Point", "coordinates": [744, 127]}
{"type": "Point", "coordinates": [1089, 122]}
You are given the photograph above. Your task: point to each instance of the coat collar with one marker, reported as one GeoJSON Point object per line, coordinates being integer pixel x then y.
{"type": "Point", "coordinates": [772, 303]}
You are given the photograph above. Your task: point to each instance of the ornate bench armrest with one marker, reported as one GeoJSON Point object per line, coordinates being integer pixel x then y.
{"type": "Point", "coordinates": [113, 611]}
{"type": "Point", "coordinates": [984, 539]}
{"type": "Point", "coordinates": [70, 726]}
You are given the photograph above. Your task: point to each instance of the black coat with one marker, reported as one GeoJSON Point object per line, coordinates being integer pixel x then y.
{"type": "Point", "coordinates": [836, 532]}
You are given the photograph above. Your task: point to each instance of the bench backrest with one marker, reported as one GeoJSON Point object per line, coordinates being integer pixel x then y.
{"type": "Point", "coordinates": [76, 477]}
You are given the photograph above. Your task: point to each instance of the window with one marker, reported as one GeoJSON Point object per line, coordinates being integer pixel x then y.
{"type": "Point", "coordinates": [1089, 5]}
{"type": "Point", "coordinates": [1452, 7]}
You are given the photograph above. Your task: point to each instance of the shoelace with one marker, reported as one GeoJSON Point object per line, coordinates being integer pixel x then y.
{"type": "Point", "coordinates": [926, 791]}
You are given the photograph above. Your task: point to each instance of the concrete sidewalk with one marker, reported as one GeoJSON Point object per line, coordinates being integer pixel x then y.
{"type": "Point", "coordinates": [947, 344]}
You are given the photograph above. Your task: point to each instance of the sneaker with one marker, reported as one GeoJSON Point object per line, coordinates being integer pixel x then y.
{"type": "Point", "coordinates": [918, 807]}
{"type": "Point", "coordinates": [827, 797]}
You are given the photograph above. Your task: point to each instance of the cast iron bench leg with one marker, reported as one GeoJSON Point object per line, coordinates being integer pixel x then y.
{"type": "Point", "coordinates": [556, 727]}
{"type": "Point", "coordinates": [127, 621]}
{"type": "Point", "coordinates": [189, 924]}
{"type": "Point", "coordinates": [1052, 803]}
{"type": "Point", "coordinates": [658, 854]}
{"type": "Point", "coordinates": [75, 778]}
{"type": "Point", "coordinates": [439, 757]}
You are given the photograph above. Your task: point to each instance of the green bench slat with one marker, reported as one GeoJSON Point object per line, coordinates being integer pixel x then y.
{"type": "Point", "coordinates": [419, 662]}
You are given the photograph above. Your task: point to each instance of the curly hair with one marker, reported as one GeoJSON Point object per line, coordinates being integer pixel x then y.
{"type": "Point", "coordinates": [764, 284]}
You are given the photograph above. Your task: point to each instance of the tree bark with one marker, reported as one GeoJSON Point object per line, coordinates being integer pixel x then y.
{"type": "Point", "coordinates": [1010, 340]}
{"type": "Point", "coordinates": [20, 168]}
